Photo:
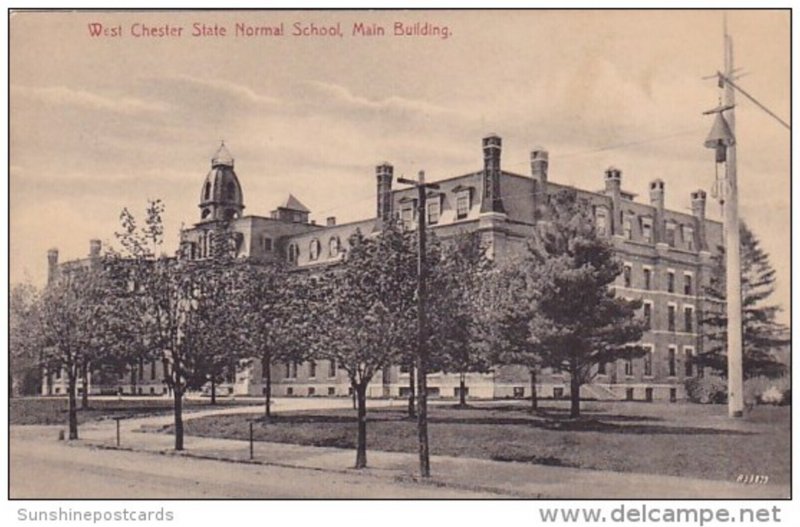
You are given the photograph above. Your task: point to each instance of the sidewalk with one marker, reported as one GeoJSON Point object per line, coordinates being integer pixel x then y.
{"type": "Point", "coordinates": [520, 480]}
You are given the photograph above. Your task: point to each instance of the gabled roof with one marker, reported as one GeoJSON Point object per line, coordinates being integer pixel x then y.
{"type": "Point", "coordinates": [293, 203]}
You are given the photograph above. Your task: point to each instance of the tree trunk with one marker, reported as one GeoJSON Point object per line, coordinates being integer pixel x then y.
{"type": "Point", "coordinates": [178, 418]}
{"type": "Point", "coordinates": [361, 448]}
{"type": "Point", "coordinates": [85, 382]}
{"type": "Point", "coordinates": [462, 389]}
{"type": "Point", "coordinates": [134, 379]}
{"type": "Point", "coordinates": [534, 398]}
{"type": "Point", "coordinates": [267, 389]}
{"type": "Point", "coordinates": [72, 403]}
{"type": "Point", "coordinates": [575, 390]}
{"type": "Point", "coordinates": [412, 404]}
{"type": "Point", "coordinates": [213, 390]}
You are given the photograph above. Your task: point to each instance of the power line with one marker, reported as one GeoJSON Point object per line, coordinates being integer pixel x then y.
{"type": "Point", "coordinates": [724, 79]}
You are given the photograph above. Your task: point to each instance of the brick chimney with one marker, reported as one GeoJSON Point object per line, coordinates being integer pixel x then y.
{"type": "Point", "coordinates": [52, 265]}
{"type": "Point", "coordinates": [94, 248]}
{"type": "Point", "coordinates": [613, 180]}
{"type": "Point", "coordinates": [657, 201]}
{"type": "Point", "coordinates": [384, 174]}
{"type": "Point", "coordinates": [699, 212]}
{"type": "Point", "coordinates": [491, 200]}
{"type": "Point", "coordinates": [539, 164]}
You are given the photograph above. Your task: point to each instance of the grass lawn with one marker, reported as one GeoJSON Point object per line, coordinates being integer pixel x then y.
{"type": "Point", "coordinates": [53, 410]}
{"type": "Point", "coordinates": [675, 439]}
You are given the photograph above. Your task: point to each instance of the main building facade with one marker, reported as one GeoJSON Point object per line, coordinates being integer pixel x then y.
{"type": "Point", "coordinates": [667, 257]}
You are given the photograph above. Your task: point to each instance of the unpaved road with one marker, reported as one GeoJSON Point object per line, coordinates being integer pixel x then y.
{"type": "Point", "coordinates": [44, 468]}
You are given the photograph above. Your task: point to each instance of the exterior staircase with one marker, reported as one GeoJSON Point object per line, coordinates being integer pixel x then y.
{"type": "Point", "coordinates": [599, 392]}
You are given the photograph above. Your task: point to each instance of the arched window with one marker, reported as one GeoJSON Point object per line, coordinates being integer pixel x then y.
{"type": "Point", "coordinates": [333, 246]}
{"type": "Point", "coordinates": [314, 248]}
{"type": "Point", "coordinates": [292, 253]}
{"type": "Point", "coordinates": [207, 191]}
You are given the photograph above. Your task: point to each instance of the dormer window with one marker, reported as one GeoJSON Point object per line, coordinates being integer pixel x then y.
{"type": "Point", "coordinates": [463, 204]}
{"type": "Point", "coordinates": [407, 216]}
{"type": "Point", "coordinates": [601, 221]}
{"type": "Point", "coordinates": [434, 207]}
{"type": "Point", "coordinates": [647, 229]}
{"type": "Point", "coordinates": [688, 237]}
{"type": "Point", "coordinates": [670, 234]}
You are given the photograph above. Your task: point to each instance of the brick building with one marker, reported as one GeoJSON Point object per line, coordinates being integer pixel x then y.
{"type": "Point", "coordinates": [666, 254]}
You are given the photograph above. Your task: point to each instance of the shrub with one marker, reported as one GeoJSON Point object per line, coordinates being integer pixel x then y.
{"type": "Point", "coordinates": [706, 390]}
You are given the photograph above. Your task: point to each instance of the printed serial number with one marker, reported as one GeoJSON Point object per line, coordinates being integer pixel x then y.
{"type": "Point", "coordinates": [752, 479]}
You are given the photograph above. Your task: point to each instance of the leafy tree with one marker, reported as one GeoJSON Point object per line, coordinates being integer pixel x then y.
{"type": "Point", "coordinates": [362, 314]}
{"type": "Point", "coordinates": [271, 313]}
{"type": "Point", "coordinates": [578, 322]}
{"type": "Point", "coordinates": [77, 315]}
{"type": "Point", "coordinates": [507, 305]}
{"type": "Point", "coordinates": [454, 289]}
{"type": "Point", "coordinates": [762, 335]}
{"type": "Point", "coordinates": [169, 296]}
{"type": "Point", "coordinates": [24, 372]}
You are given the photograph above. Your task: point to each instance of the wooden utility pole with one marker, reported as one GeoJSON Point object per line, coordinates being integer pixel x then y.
{"type": "Point", "coordinates": [422, 323]}
{"type": "Point", "coordinates": [733, 279]}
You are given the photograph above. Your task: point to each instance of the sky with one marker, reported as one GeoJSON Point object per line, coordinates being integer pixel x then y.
{"type": "Point", "coordinates": [102, 123]}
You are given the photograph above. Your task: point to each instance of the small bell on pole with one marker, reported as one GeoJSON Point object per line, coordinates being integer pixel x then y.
{"type": "Point", "coordinates": [720, 137]}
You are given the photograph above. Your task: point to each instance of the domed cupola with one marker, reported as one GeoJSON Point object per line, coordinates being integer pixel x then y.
{"type": "Point", "coordinates": [221, 196]}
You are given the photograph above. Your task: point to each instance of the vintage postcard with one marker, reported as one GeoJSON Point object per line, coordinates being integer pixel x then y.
{"type": "Point", "coordinates": [404, 254]}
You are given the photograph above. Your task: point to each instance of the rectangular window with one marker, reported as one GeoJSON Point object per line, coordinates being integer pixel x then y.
{"type": "Point", "coordinates": [687, 284]}
{"type": "Point", "coordinates": [267, 243]}
{"type": "Point", "coordinates": [407, 215]}
{"type": "Point", "coordinates": [627, 228]}
{"type": "Point", "coordinates": [288, 371]}
{"type": "Point", "coordinates": [671, 282]}
{"type": "Point", "coordinates": [312, 391]}
{"type": "Point", "coordinates": [629, 394]}
{"type": "Point", "coordinates": [688, 319]}
{"type": "Point", "coordinates": [331, 390]}
{"type": "Point", "coordinates": [519, 392]}
{"type": "Point", "coordinates": [648, 278]}
{"type": "Point", "coordinates": [671, 361]}
{"type": "Point", "coordinates": [671, 318]}
{"type": "Point", "coordinates": [688, 237]}
{"type": "Point", "coordinates": [673, 395]}
{"type": "Point", "coordinates": [294, 370]}
{"type": "Point", "coordinates": [647, 229]}
{"type": "Point", "coordinates": [670, 234]}
{"type": "Point", "coordinates": [626, 275]}
{"type": "Point", "coordinates": [648, 315]}
{"type": "Point", "coordinates": [152, 370]}
{"type": "Point", "coordinates": [462, 205]}
{"type": "Point", "coordinates": [648, 395]}
{"type": "Point", "coordinates": [312, 368]}
{"type": "Point", "coordinates": [332, 368]}
{"type": "Point", "coordinates": [601, 224]}
{"type": "Point", "coordinates": [558, 393]}
{"type": "Point", "coordinates": [688, 365]}
{"type": "Point", "coordinates": [289, 391]}
{"type": "Point", "coordinates": [648, 363]}
{"type": "Point", "coordinates": [629, 367]}
{"type": "Point", "coordinates": [601, 368]}
{"type": "Point", "coordinates": [434, 209]}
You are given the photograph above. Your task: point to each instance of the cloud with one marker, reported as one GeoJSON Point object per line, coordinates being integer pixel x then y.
{"type": "Point", "coordinates": [344, 97]}
{"type": "Point", "coordinates": [65, 96]}
{"type": "Point", "coordinates": [228, 89]}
